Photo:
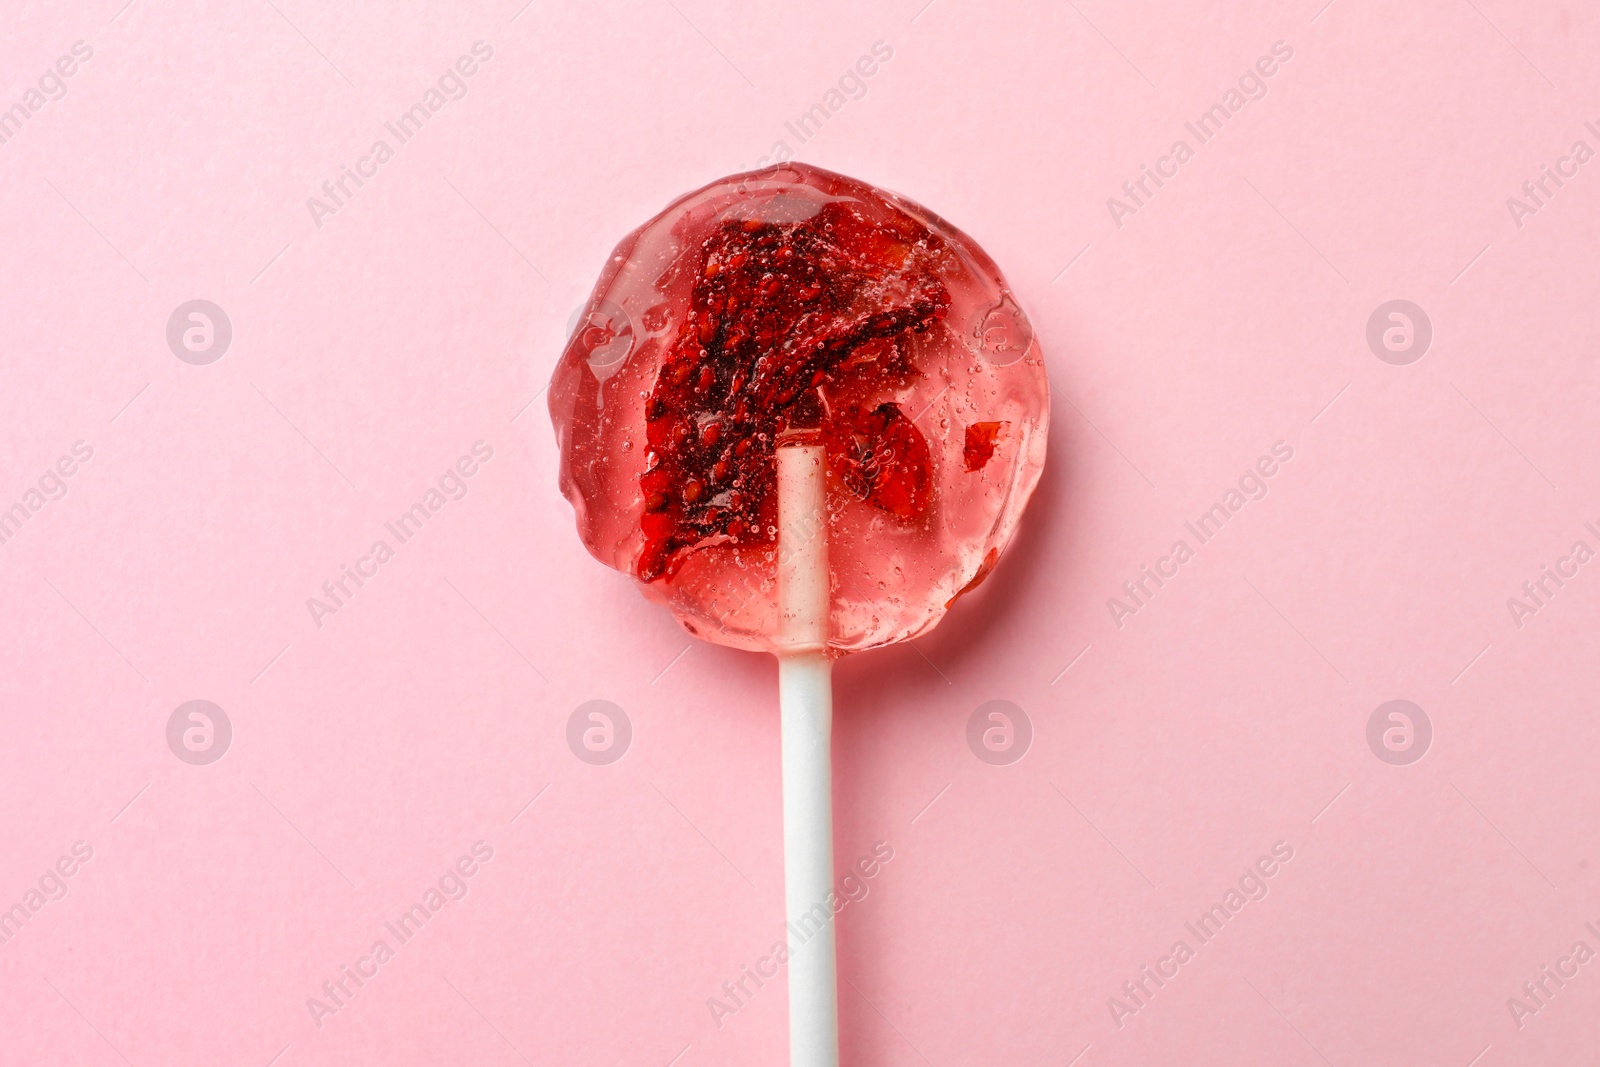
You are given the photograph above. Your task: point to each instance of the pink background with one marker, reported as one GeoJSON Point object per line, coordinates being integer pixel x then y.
{"type": "Point", "coordinates": [1228, 714]}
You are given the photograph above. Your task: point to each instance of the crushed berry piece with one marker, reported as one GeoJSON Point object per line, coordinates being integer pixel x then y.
{"type": "Point", "coordinates": [979, 446]}
{"type": "Point", "coordinates": [790, 325]}
{"type": "Point", "coordinates": [881, 457]}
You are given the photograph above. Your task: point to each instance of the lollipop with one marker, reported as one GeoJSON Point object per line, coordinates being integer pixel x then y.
{"type": "Point", "coordinates": [805, 415]}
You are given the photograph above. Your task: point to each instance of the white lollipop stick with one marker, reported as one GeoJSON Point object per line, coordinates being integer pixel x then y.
{"type": "Point", "coordinates": [805, 701]}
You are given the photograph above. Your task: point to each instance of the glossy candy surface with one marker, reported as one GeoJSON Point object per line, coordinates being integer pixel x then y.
{"type": "Point", "coordinates": [794, 303]}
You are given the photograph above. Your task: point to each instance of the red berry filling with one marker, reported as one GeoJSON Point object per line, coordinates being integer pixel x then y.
{"type": "Point", "coordinates": [978, 449]}
{"type": "Point", "coordinates": [881, 457]}
{"type": "Point", "coordinates": [795, 325]}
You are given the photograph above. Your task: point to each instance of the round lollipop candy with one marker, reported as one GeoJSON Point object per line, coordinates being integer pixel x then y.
{"type": "Point", "coordinates": [805, 415]}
